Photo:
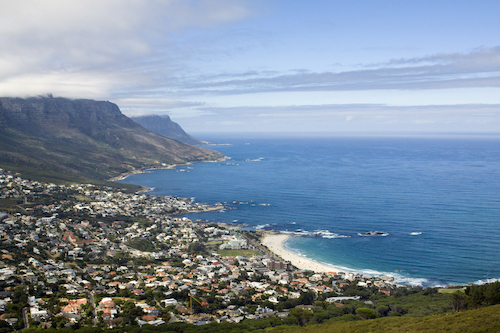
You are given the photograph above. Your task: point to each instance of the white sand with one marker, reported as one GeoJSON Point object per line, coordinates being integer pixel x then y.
{"type": "Point", "coordinates": [274, 242]}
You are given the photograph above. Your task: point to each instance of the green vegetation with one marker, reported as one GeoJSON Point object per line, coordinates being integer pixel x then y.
{"type": "Point", "coordinates": [197, 248]}
{"type": "Point", "coordinates": [7, 204]}
{"type": "Point", "coordinates": [411, 302]}
{"type": "Point", "coordinates": [482, 320]}
{"type": "Point", "coordinates": [143, 245]}
{"type": "Point", "coordinates": [450, 290]}
{"type": "Point", "coordinates": [487, 294]}
{"type": "Point", "coordinates": [217, 242]}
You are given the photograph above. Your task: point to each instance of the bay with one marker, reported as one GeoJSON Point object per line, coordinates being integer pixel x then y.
{"type": "Point", "coordinates": [447, 189]}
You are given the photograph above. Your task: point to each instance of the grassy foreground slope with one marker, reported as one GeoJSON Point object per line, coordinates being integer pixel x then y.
{"type": "Point", "coordinates": [485, 319]}
{"type": "Point", "coordinates": [481, 320]}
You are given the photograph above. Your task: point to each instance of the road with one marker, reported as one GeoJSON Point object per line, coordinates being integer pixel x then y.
{"type": "Point", "coordinates": [25, 318]}
{"type": "Point", "coordinates": [94, 314]}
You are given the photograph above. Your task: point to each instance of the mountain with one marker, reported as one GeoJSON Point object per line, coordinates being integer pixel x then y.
{"type": "Point", "coordinates": [87, 138]}
{"type": "Point", "coordinates": [164, 126]}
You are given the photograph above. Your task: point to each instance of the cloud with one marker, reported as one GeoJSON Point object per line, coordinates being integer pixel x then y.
{"type": "Point", "coordinates": [75, 85]}
{"type": "Point", "coordinates": [138, 106]}
{"type": "Point", "coordinates": [479, 68]}
{"type": "Point", "coordinates": [344, 118]}
{"type": "Point", "coordinates": [484, 59]}
{"type": "Point", "coordinates": [190, 57]}
{"type": "Point", "coordinates": [366, 109]}
{"type": "Point", "coordinates": [51, 39]}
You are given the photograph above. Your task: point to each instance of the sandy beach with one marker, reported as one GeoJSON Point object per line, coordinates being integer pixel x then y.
{"type": "Point", "coordinates": [274, 242]}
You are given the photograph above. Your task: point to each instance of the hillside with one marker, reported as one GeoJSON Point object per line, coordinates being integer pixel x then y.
{"type": "Point", "coordinates": [480, 320]}
{"type": "Point", "coordinates": [471, 321]}
{"type": "Point", "coordinates": [83, 138]}
{"type": "Point", "coordinates": [163, 125]}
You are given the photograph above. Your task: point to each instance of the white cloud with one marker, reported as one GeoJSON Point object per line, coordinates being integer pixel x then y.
{"type": "Point", "coordinates": [47, 40]}
{"type": "Point", "coordinates": [76, 85]}
{"type": "Point", "coordinates": [480, 68]}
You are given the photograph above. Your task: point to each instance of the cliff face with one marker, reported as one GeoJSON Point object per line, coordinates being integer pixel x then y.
{"type": "Point", "coordinates": [83, 137]}
{"type": "Point", "coordinates": [56, 117]}
{"type": "Point", "coordinates": [165, 126]}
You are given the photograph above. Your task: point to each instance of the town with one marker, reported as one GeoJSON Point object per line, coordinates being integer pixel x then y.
{"type": "Point", "coordinates": [96, 256]}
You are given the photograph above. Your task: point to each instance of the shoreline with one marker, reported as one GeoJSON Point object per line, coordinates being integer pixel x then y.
{"type": "Point", "coordinates": [275, 243]}
{"type": "Point", "coordinates": [124, 175]}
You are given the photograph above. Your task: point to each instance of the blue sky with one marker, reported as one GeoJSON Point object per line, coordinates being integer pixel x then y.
{"type": "Point", "coordinates": [264, 66]}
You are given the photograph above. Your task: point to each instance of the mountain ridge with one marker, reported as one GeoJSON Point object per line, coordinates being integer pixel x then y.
{"type": "Point", "coordinates": [84, 137]}
{"type": "Point", "coordinates": [163, 125]}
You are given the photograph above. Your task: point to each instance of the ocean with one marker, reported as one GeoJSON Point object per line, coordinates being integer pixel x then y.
{"type": "Point", "coordinates": [437, 198]}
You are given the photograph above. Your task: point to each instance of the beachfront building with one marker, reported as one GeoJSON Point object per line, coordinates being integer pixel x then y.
{"type": "Point", "coordinates": [235, 244]}
{"type": "Point", "coordinates": [276, 265]}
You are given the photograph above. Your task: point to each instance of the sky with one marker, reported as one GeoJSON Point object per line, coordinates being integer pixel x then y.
{"type": "Point", "coordinates": [214, 66]}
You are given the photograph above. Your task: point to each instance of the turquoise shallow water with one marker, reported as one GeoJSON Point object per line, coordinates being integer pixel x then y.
{"type": "Point", "coordinates": [446, 189]}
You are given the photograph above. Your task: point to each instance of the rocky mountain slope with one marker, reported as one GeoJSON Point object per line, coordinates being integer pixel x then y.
{"type": "Point", "coordinates": [85, 138]}
{"type": "Point", "coordinates": [163, 125]}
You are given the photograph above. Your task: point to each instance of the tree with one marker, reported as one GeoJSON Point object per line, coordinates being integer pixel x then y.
{"type": "Point", "coordinates": [59, 321]}
{"type": "Point", "coordinates": [307, 298]}
{"type": "Point", "coordinates": [457, 300]}
{"type": "Point", "coordinates": [382, 310]}
{"type": "Point", "coordinates": [196, 248]}
{"type": "Point", "coordinates": [366, 313]}
{"type": "Point", "coordinates": [301, 315]}
{"type": "Point", "coordinates": [130, 311]}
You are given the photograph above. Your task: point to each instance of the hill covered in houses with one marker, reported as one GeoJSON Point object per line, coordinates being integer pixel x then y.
{"type": "Point", "coordinates": [88, 258]}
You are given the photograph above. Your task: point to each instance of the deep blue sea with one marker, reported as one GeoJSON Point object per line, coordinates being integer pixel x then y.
{"type": "Point", "coordinates": [447, 189]}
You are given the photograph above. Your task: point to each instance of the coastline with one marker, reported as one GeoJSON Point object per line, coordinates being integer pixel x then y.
{"type": "Point", "coordinates": [166, 167]}
{"type": "Point", "coordinates": [274, 242]}
{"type": "Point", "coordinates": [124, 175]}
